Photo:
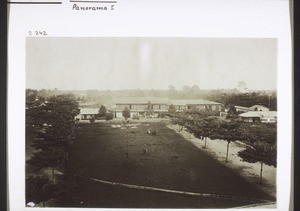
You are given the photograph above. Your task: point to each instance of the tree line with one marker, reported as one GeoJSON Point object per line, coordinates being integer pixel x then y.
{"type": "Point", "coordinates": [261, 139]}
{"type": "Point", "coordinates": [50, 130]}
{"type": "Point", "coordinates": [224, 96]}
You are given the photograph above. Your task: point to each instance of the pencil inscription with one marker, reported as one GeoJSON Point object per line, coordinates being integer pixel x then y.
{"type": "Point", "coordinates": [94, 8]}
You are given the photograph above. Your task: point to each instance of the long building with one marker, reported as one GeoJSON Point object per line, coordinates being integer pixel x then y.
{"type": "Point", "coordinates": [181, 105]}
{"type": "Point", "coordinates": [160, 105]}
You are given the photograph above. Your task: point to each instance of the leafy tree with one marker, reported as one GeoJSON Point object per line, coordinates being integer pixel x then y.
{"type": "Point", "coordinates": [51, 157]}
{"type": "Point", "coordinates": [181, 118]}
{"type": "Point", "coordinates": [262, 152]}
{"type": "Point", "coordinates": [232, 113]}
{"type": "Point", "coordinates": [242, 85]}
{"type": "Point", "coordinates": [172, 92]}
{"type": "Point", "coordinates": [198, 122]}
{"type": "Point", "coordinates": [149, 108]}
{"type": "Point", "coordinates": [186, 88]}
{"type": "Point", "coordinates": [205, 127]}
{"type": "Point", "coordinates": [92, 119]}
{"type": "Point", "coordinates": [62, 110]}
{"type": "Point", "coordinates": [195, 89]}
{"type": "Point", "coordinates": [39, 189]}
{"type": "Point", "coordinates": [171, 88]}
{"type": "Point", "coordinates": [102, 111]}
{"type": "Point", "coordinates": [245, 99]}
{"type": "Point", "coordinates": [109, 116]}
{"type": "Point", "coordinates": [35, 119]}
{"type": "Point", "coordinates": [31, 97]}
{"type": "Point", "coordinates": [172, 109]}
{"type": "Point", "coordinates": [228, 131]}
{"type": "Point", "coordinates": [253, 132]}
{"type": "Point", "coordinates": [198, 114]}
{"type": "Point", "coordinates": [262, 147]}
{"type": "Point", "coordinates": [58, 132]}
{"type": "Point", "coordinates": [208, 128]}
{"type": "Point", "coordinates": [126, 113]}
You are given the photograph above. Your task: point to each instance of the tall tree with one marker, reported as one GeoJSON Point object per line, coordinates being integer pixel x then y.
{"type": "Point", "coordinates": [172, 92]}
{"type": "Point", "coordinates": [171, 88]}
{"type": "Point", "coordinates": [149, 108]}
{"type": "Point", "coordinates": [242, 85]}
{"type": "Point", "coordinates": [171, 109]}
{"type": "Point", "coordinates": [228, 131]}
{"type": "Point", "coordinates": [58, 132]}
{"type": "Point", "coordinates": [39, 189]}
{"type": "Point", "coordinates": [262, 141]}
{"type": "Point", "coordinates": [102, 111]}
{"type": "Point", "coordinates": [186, 88]}
{"type": "Point", "coordinates": [232, 113]}
{"type": "Point", "coordinates": [261, 152]}
{"type": "Point", "coordinates": [126, 113]}
{"type": "Point", "coordinates": [208, 128]}
{"type": "Point", "coordinates": [195, 90]}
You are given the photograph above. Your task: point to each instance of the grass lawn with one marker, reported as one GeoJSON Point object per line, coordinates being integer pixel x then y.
{"type": "Point", "coordinates": [172, 163]}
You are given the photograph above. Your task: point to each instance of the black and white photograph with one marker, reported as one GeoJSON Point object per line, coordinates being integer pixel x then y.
{"type": "Point", "coordinates": [151, 122]}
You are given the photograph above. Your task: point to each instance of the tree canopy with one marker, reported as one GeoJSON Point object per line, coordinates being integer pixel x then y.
{"type": "Point", "coordinates": [203, 126]}
{"type": "Point", "coordinates": [262, 152]}
{"type": "Point", "coordinates": [102, 111]}
{"type": "Point", "coordinates": [126, 113]}
{"type": "Point", "coordinates": [56, 133]}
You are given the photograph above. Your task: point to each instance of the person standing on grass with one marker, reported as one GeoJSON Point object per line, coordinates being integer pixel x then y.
{"type": "Point", "coordinates": [145, 150]}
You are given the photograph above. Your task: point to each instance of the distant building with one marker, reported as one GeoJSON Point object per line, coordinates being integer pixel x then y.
{"type": "Point", "coordinates": [140, 105]}
{"type": "Point", "coordinates": [242, 109]}
{"type": "Point", "coordinates": [252, 108]}
{"type": "Point", "coordinates": [259, 108]}
{"type": "Point", "coordinates": [181, 105]}
{"type": "Point", "coordinates": [87, 113]}
{"type": "Point", "coordinates": [259, 116]}
{"type": "Point", "coordinates": [161, 105]}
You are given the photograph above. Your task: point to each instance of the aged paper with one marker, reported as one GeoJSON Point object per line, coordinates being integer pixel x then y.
{"type": "Point", "coordinates": [146, 65]}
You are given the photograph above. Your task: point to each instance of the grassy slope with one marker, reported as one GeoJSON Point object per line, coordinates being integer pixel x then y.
{"type": "Point", "coordinates": [172, 163]}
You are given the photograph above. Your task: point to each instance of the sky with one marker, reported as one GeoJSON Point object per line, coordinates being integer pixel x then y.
{"type": "Point", "coordinates": [117, 63]}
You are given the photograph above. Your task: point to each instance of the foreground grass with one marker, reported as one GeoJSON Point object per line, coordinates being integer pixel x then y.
{"type": "Point", "coordinates": [172, 163]}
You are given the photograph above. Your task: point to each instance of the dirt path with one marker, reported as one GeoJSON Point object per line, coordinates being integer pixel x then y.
{"type": "Point", "coordinates": [250, 171]}
{"type": "Point", "coordinates": [188, 193]}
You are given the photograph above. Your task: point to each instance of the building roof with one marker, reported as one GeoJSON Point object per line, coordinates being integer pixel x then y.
{"type": "Point", "coordinates": [145, 100]}
{"type": "Point", "coordinates": [242, 107]}
{"type": "Point", "coordinates": [193, 102]}
{"type": "Point", "coordinates": [260, 114]}
{"type": "Point", "coordinates": [258, 106]}
{"type": "Point", "coordinates": [89, 111]}
{"type": "Point", "coordinates": [142, 100]}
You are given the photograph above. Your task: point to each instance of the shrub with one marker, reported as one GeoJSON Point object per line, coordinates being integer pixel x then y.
{"type": "Point", "coordinates": [109, 116]}
{"type": "Point", "coordinates": [92, 120]}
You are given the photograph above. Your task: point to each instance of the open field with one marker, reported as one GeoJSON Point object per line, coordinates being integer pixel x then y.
{"type": "Point", "coordinates": [173, 163]}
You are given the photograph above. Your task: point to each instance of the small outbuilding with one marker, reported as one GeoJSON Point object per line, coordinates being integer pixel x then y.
{"type": "Point", "coordinates": [259, 116]}
{"type": "Point", "coordinates": [87, 113]}
{"type": "Point", "coordinates": [259, 108]}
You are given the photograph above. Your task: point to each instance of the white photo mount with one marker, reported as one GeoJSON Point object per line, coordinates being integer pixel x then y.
{"type": "Point", "coordinates": [144, 19]}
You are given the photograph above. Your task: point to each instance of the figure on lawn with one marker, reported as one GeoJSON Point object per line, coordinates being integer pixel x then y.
{"type": "Point", "coordinates": [152, 132]}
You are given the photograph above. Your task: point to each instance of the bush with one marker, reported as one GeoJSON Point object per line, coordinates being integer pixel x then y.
{"type": "Point", "coordinates": [126, 113]}
{"type": "Point", "coordinates": [92, 120]}
{"type": "Point", "coordinates": [162, 115]}
{"type": "Point", "coordinates": [109, 116]}
{"type": "Point", "coordinates": [39, 189]}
